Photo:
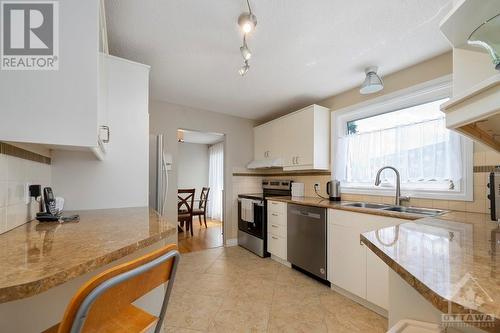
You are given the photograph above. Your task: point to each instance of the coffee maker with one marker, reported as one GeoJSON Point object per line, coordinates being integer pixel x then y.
{"type": "Point", "coordinates": [333, 190]}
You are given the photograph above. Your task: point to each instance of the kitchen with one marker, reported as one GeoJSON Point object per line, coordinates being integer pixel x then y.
{"type": "Point", "coordinates": [321, 127]}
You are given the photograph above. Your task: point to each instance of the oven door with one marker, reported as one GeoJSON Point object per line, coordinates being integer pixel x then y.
{"type": "Point", "coordinates": [257, 227]}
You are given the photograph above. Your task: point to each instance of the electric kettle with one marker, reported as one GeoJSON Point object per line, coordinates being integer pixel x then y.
{"type": "Point", "coordinates": [333, 190]}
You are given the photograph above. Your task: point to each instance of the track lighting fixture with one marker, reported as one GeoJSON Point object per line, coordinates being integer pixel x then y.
{"type": "Point", "coordinates": [247, 21]}
{"type": "Point", "coordinates": [244, 69]}
{"type": "Point", "coordinates": [245, 51]}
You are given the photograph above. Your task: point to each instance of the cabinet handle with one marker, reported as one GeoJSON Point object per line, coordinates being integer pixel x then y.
{"type": "Point", "coordinates": [361, 243]}
{"type": "Point", "coordinates": [274, 237]}
{"type": "Point", "coordinates": [274, 214]}
{"type": "Point", "coordinates": [274, 225]}
{"type": "Point", "coordinates": [106, 128]}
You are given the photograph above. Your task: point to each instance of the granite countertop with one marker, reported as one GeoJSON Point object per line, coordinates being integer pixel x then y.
{"type": "Point", "coordinates": [38, 256]}
{"type": "Point", "coordinates": [451, 261]}
{"type": "Point", "coordinates": [325, 203]}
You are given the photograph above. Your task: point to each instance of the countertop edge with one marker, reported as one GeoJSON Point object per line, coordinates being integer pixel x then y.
{"type": "Point", "coordinates": [439, 302]}
{"type": "Point", "coordinates": [32, 288]}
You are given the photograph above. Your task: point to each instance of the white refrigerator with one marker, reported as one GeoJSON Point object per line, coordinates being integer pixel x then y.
{"type": "Point", "coordinates": [160, 163]}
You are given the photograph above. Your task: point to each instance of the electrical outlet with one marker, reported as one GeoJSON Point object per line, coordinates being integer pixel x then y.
{"type": "Point", "coordinates": [317, 186]}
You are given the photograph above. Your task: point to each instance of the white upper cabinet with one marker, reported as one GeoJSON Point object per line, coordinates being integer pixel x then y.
{"type": "Point", "coordinates": [474, 109]}
{"type": "Point", "coordinates": [267, 141]}
{"type": "Point", "coordinates": [65, 107]}
{"type": "Point", "coordinates": [301, 140]}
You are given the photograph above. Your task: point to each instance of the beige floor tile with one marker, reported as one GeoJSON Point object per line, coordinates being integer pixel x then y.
{"type": "Point", "coordinates": [192, 311]}
{"type": "Point", "coordinates": [232, 290]}
{"type": "Point", "coordinates": [206, 284]}
{"type": "Point", "coordinates": [344, 315]}
{"type": "Point", "coordinates": [224, 267]}
{"type": "Point", "coordinates": [171, 329]}
{"type": "Point", "coordinates": [241, 315]}
{"type": "Point", "coordinates": [255, 289]}
{"type": "Point", "coordinates": [280, 326]}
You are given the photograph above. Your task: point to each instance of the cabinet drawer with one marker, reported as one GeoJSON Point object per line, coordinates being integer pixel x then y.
{"type": "Point", "coordinates": [276, 245]}
{"type": "Point", "coordinates": [276, 229]}
{"type": "Point", "coordinates": [276, 218]}
{"type": "Point", "coordinates": [276, 207]}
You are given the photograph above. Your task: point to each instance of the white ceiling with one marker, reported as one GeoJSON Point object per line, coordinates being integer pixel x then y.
{"type": "Point", "coordinates": [204, 138]}
{"type": "Point", "coordinates": [303, 51]}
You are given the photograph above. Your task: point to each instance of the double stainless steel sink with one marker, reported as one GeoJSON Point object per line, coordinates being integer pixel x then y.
{"type": "Point", "coordinates": [400, 209]}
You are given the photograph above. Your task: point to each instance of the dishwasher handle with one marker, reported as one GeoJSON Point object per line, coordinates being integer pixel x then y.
{"type": "Point", "coordinates": [306, 214]}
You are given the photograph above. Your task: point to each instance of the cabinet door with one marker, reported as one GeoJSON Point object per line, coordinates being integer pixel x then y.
{"type": "Point", "coordinates": [349, 258]}
{"type": "Point", "coordinates": [299, 138]}
{"type": "Point", "coordinates": [377, 280]}
{"type": "Point", "coordinates": [262, 136]}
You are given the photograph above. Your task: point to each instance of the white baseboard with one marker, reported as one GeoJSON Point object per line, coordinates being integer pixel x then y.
{"type": "Point", "coordinates": [232, 242]}
{"type": "Point", "coordinates": [281, 261]}
{"type": "Point", "coordinates": [361, 301]}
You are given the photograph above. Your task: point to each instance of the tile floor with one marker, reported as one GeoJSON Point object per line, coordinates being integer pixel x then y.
{"type": "Point", "coordinates": [232, 290]}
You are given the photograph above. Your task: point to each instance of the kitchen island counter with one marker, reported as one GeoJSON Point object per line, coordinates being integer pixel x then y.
{"type": "Point", "coordinates": [37, 256]}
{"type": "Point", "coordinates": [453, 262]}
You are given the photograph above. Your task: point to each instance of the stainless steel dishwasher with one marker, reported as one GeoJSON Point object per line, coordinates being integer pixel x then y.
{"type": "Point", "coordinates": [306, 239]}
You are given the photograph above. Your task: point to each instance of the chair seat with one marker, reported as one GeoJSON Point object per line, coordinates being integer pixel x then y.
{"type": "Point", "coordinates": [198, 211]}
{"type": "Point", "coordinates": [183, 216]}
{"type": "Point", "coordinates": [131, 319]}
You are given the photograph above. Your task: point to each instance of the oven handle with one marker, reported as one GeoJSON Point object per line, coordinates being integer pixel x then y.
{"type": "Point", "coordinates": [255, 202]}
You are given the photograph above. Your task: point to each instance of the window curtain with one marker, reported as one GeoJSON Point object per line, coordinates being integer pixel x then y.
{"type": "Point", "coordinates": [216, 181]}
{"type": "Point", "coordinates": [424, 151]}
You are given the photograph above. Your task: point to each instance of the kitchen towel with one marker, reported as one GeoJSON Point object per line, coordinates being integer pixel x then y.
{"type": "Point", "coordinates": [247, 210]}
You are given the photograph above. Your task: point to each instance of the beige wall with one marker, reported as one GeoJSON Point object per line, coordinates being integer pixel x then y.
{"type": "Point", "coordinates": [166, 118]}
{"type": "Point", "coordinates": [193, 166]}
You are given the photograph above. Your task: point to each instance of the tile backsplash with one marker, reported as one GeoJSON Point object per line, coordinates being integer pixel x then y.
{"type": "Point", "coordinates": [15, 174]}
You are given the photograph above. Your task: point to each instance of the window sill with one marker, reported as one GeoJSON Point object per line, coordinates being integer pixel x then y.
{"type": "Point", "coordinates": [417, 194]}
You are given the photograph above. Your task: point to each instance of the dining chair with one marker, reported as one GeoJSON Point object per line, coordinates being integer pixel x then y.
{"type": "Point", "coordinates": [202, 207]}
{"type": "Point", "coordinates": [104, 303]}
{"type": "Point", "coordinates": [185, 205]}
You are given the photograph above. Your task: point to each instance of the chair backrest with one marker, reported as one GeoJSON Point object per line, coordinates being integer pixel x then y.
{"type": "Point", "coordinates": [204, 198]}
{"type": "Point", "coordinates": [105, 295]}
{"type": "Point", "coordinates": [185, 200]}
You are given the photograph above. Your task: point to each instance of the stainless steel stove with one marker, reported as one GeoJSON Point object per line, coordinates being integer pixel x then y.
{"type": "Point", "coordinates": [252, 231]}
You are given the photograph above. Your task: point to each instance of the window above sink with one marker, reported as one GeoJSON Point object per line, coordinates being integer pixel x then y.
{"type": "Point", "coordinates": [406, 130]}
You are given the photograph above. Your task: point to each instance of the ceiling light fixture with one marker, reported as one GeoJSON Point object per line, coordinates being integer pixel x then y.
{"type": "Point", "coordinates": [244, 69]}
{"type": "Point", "coordinates": [245, 51]}
{"type": "Point", "coordinates": [247, 21]}
{"type": "Point", "coordinates": [373, 83]}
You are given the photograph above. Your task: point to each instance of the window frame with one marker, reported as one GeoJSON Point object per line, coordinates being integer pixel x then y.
{"type": "Point", "coordinates": [419, 94]}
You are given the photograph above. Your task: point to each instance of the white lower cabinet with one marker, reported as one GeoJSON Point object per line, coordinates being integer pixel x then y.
{"type": "Point", "coordinates": [349, 258]}
{"type": "Point", "coordinates": [352, 266]}
{"type": "Point", "coordinates": [377, 280]}
{"type": "Point", "coordinates": [276, 229]}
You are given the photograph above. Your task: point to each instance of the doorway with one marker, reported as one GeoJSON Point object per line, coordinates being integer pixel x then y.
{"type": "Point", "coordinates": [201, 169]}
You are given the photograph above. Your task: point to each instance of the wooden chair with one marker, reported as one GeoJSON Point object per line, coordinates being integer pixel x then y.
{"type": "Point", "coordinates": [104, 303]}
{"type": "Point", "coordinates": [185, 205]}
{"type": "Point", "coordinates": [202, 207]}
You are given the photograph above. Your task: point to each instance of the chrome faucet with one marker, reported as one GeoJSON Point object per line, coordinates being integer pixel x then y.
{"type": "Point", "coordinates": [398, 198]}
